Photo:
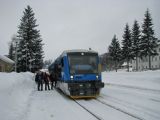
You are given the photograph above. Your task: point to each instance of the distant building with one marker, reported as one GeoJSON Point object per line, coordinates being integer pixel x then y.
{"type": "Point", "coordinates": [107, 63]}
{"type": "Point", "coordinates": [143, 64]}
{"type": "Point", "coordinates": [124, 65]}
{"type": "Point", "coordinates": [6, 64]}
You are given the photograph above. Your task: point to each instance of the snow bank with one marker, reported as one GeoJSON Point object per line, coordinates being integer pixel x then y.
{"type": "Point", "coordinates": [144, 80]}
{"type": "Point", "coordinates": [20, 100]}
{"type": "Point", "coordinates": [15, 89]}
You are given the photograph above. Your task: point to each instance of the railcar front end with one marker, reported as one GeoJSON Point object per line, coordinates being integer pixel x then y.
{"type": "Point", "coordinates": [80, 75]}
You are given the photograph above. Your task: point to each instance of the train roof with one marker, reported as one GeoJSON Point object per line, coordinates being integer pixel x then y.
{"type": "Point", "coordinates": [78, 50]}
{"type": "Point", "coordinates": [70, 51]}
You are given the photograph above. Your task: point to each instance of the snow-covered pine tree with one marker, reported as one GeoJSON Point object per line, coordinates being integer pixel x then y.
{"type": "Point", "coordinates": [30, 53]}
{"type": "Point", "coordinates": [148, 42]}
{"type": "Point", "coordinates": [38, 54]}
{"type": "Point", "coordinates": [115, 51]}
{"type": "Point", "coordinates": [11, 54]}
{"type": "Point", "coordinates": [136, 37]}
{"type": "Point", "coordinates": [127, 53]}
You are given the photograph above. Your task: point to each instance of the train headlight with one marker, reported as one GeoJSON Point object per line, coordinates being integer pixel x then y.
{"type": "Point", "coordinates": [71, 77]}
{"type": "Point", "coordinates": [97, 76]}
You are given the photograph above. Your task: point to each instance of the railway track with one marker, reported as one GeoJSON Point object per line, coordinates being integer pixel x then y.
{"type": "Point", "coordinates": [108, 105]}
{"type": "Point", "coordinates": [90, 112]}
{"type": "Point", "coordinates": [131, 106]}
{"type": "Point", "coordinates": [133, 87]}
{"type": "Point", "coordinates": [104, 104]}
{"type": "Point", "coordinates": [98, 118]}
{"type": "Point", "coordinates": [116, 108]}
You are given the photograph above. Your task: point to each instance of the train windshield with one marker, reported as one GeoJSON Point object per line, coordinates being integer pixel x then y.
{"type": "Point", "coordinates": [83, 63]}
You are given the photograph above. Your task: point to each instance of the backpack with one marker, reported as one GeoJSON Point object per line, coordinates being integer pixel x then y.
{"type": "Point", "coordinates": [38, 77]}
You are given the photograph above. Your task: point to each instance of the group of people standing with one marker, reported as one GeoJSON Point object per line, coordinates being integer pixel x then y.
{"type": "Point", "coordinates": [44, 78]}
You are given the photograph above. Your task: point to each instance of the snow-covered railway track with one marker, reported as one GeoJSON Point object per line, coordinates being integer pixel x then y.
{"type": "Point", "coordinates": [101, 110]}
{"type": "Point", "coordinates": [107, 106]}
{"type": "Point", "coordinates": [80, 105]}
{"type": "Point", "coordinates": [118, 109]}
{"type": "Point", "coordinates": [98, 118]}
{"type": "Point", "coordinates": [133, 87]}
{"type": "Point", "coordinates": [155, 100]}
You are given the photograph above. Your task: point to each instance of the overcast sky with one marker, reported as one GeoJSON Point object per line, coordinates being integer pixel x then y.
{"type": "Point", "coordinates": [76, 24]}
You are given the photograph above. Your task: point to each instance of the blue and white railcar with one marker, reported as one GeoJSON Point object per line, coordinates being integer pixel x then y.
{"type": "Point", "coordinates": [78, 72]}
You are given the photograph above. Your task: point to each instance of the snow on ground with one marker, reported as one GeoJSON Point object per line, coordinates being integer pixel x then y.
{"type": "Point", "coordinates": [15, 89]}
{"type": "Point", "coordinates": [126, 96]}
{"type": "Point", "coordinates": [146, 79]}
{"type": "Point", "coordinates": [50, 105]}
{"type": "Point", "coordinates": [137, 93]}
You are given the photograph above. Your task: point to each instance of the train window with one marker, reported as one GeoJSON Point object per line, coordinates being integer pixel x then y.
{"type": "Point", "coordinates": [83, 64]}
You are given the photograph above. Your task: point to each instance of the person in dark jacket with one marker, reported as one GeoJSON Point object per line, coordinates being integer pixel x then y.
{"type": "Point", "coordinates": [39, 81]}
{"type": "Point", "coordinates": [36, 78]}
{"type": "Point", "coordinates": [57, 72]}
{"type": "Point", "coordinates": [46, 80]}
{"type": "Point", "coordinates": [52, 79]}
{"type": "Point", "coordinates": [56, 79]}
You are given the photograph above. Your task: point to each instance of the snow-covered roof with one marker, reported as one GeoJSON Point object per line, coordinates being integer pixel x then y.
{"type": "Point", "coordinates": [78, 50]}
{"type": "Point", "coordinates": [125, 63]}
{"type": "Point", "coordinates": [6, 59]}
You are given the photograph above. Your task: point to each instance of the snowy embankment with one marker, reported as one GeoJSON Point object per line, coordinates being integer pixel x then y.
{"type": "Point", "coordinates": [126, 96]}
{"type": "Point", "coordinates": [15, 89]}
{"type": "Point", "coordinates": [140, 80]}
{"type": "Point", "coordinates": [135, 93]}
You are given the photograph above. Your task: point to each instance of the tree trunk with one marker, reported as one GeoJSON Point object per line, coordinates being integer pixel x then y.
{"type": "Point", "coordinates": [136, 63]}
{"type": "Point", "coordinates": [116, 65]}
{"type": "Point", "coordinates": [128, 65]}
{"type": "Point", "coordinates": [149, 57]}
